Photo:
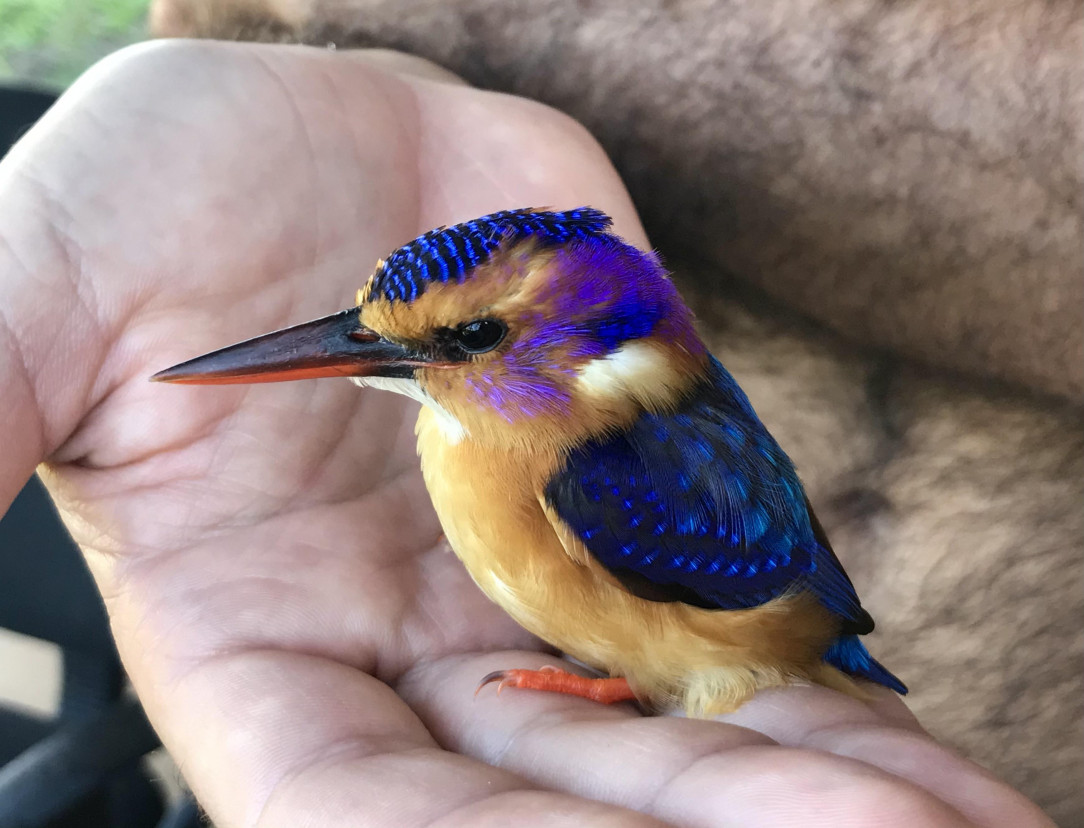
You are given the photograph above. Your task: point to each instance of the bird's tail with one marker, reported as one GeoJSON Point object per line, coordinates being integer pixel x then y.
{"type": "Point", "coordinates": [850, 655]}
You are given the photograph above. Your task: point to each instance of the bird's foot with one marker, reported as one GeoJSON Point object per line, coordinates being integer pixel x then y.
{"type": "Point", "coordinates": [555, 680]}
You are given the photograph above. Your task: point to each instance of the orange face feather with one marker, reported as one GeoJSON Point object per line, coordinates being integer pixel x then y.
{"type": "Point", "coordinates": [551, 381]}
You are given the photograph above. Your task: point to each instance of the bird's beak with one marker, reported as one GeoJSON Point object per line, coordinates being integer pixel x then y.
{"type": "Point", "coordinates": [335, 346]}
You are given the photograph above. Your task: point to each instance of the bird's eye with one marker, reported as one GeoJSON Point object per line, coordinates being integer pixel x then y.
{"type": "Point", "coordinates": [480, 336]}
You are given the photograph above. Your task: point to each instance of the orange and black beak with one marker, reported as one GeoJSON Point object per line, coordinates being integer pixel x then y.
{"type": "Point", "coordinates": [335, 346]}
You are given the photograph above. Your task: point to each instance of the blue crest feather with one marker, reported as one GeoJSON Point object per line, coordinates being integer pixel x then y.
{"type": "Point", "coordinates": [449, 253]}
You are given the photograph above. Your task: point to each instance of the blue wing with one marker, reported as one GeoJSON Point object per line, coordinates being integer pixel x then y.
{"type": "Point", "coordinates": [702, 506]}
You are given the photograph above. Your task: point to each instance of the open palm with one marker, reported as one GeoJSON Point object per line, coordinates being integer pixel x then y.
{"type": "Point", "coordinates": [302, 638]}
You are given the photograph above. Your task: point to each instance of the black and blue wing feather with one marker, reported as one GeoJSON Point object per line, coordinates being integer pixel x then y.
{"type": "Point", "coordinates": [701, 505]}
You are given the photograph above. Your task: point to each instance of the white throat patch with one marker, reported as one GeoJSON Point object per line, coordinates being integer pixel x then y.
{"type": "Point", "coordinates": [631, 369]}
{"type": "Point", "coordinates": [450, 427]}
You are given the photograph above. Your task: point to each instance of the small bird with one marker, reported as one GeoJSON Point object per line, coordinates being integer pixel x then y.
{"type": "Point", "coordinates": [599, 473]}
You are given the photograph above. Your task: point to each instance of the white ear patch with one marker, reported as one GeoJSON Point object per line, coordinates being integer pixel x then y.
{"type": "Point", "coordinates": [450, 427]}
{"type": "Point", "coordinates": [633, 369]}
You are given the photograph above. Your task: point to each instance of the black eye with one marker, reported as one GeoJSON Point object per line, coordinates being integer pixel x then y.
{"type": "Point", "coordinates": [480, 336]}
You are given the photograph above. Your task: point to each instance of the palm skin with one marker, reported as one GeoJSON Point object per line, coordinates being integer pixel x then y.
{"type": "Point", "coordinates": [303, 640]}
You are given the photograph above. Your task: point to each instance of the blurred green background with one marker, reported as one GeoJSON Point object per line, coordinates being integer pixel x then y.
{"type": "Point", "coordinates": [50, 42]}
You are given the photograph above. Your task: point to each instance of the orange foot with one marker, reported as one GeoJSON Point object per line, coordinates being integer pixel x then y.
{"type": "Point", "coordinates": [555, 680]}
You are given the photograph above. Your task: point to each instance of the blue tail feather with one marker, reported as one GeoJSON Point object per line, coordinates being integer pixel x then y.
{"type": "Point", "coordinates": [851, 656]}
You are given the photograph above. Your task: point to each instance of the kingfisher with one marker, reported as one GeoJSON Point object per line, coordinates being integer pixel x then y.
{"type": "Point", "coordinates": [599, 473]}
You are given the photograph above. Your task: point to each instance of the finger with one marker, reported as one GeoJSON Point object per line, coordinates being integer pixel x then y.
{"type": "Point", "coordinates": [403, 64]}
{"type": "Point", "coordinates": [967, 787]}
{"type": "Point", "coordinates": [536, 156]}
{"type": "Point", "coordinates": [790, 714]}
{"type": "Point", "coordinates": [690, 772]}
{"type": "Point", "coordinates": [884, 734]}
{"type": "Point", "coordinates": [607, 752]}
{"type": "Point", "coordinates": [281, 739]}
{"type": "Point", "coordinates": [364, 159]}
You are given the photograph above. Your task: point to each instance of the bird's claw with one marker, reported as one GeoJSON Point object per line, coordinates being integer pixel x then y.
{"type": "Point", "coordinates": [510, 678]}
{"type": "Point", "coordinates": [555, 680]}
{"type": "Point", "coordinates": [498, 676]}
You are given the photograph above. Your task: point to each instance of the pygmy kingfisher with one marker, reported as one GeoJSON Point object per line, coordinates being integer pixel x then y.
{"type": "Point", "coordinates": [600, 474]}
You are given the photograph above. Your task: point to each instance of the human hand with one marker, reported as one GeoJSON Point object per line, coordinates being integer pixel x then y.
{"type": "Point", "coordinates": [302, 640]}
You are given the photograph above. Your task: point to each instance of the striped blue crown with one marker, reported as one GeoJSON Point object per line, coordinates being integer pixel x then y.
{"type": "Point", "coordinates": [449, 253]}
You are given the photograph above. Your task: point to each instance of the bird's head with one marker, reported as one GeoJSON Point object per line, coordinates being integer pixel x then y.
{"type": "Point", "coordinates": [522, 327]}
